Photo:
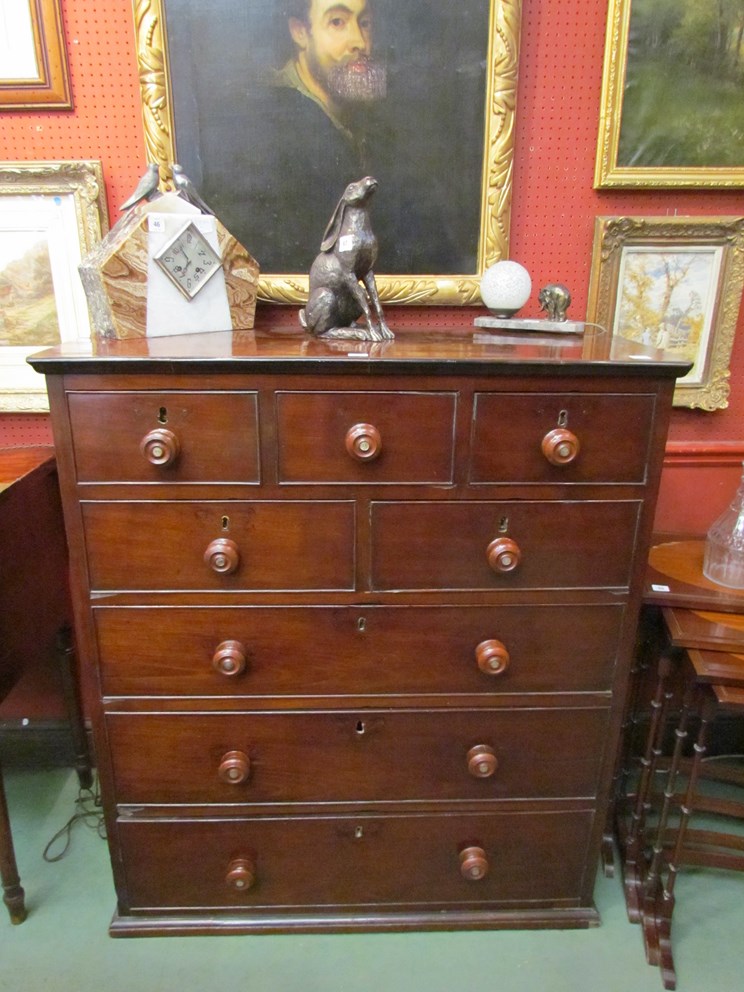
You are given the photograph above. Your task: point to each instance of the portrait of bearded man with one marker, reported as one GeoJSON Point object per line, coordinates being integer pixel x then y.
{"type": "Point", "coordinates": [315, 94]}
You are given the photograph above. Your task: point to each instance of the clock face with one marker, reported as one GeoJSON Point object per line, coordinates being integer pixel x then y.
{"type": "Point", "coordinates": [189, 260]}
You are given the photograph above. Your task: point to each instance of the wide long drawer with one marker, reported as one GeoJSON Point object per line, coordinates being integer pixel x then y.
{"type": "Point", "coordinates": [358, 650]}
{"type": "Point", "coordinates": [355, 861]}
{"type": "Point", "coordinates": [531, 544]}
{"type": "Point", "coordinates": [287, 545]}
{"type": "Point", "coordinates": [165, 436]}
{"type": "Point", "coordinates": [368, 755]}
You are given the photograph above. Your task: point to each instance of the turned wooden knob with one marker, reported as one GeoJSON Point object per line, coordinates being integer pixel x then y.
{"type": "Point", "coordinates": [235, 768]}
{"type": "Point", "coordinates": [560, 446]}
{"type": "Point", "coordinates": [473, 864]}
{"type": "Point", "coordinates": [160, 447]}
{"type": "Point", "coordinates": [241, 874]}
{"type": "Point", "coordinates": [222, 556]}
{"type": "Point", "coordinates": [482, 761]}
{"type": "Point", "coordinates": [363, 442]}
{"type": "Point", "coordinates": [229, 658]}
{"type": "Point", "coordinates": [492, 657]}
{"type": "Point", "coordinates": [503, 554]}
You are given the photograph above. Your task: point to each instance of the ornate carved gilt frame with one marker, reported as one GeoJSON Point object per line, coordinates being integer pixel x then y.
{"type": "Point", "coordinates": [607, 173]}
{"type": "Point", "coordinates": [82, 183]}
{"type": "Point", "coordinates": [50, 90]}
{"type": "Point", "coordinates": [613, 234]}
{"type": "Point", "coordinates": [496, 185]}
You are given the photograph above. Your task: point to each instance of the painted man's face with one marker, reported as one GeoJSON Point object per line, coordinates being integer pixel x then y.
{"type": "Point", "coordinates": [337, 46]}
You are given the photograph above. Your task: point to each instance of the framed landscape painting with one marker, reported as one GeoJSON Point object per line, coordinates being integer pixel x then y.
{"type": "Point", "coordinates": [672, 104]}
{"type": "Point", "coordinates": [426, 106]}
{"type": "Point", "coordinates": [674, 284]}
{"type": "Point", "coordinates": [51, 215]}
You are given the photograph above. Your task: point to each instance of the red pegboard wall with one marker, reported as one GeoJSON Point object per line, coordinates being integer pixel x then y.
{"type": "Point", "coordinates": [554, 205]}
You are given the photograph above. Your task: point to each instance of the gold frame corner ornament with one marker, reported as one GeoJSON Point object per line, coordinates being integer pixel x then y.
{"type": "Point", "coordinates": [613, 234]}
{"type": "Point", "coordinates": [497, 167]}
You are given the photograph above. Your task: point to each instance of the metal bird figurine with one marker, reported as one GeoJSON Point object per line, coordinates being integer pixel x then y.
{"type": "Point", "coordinates": [146, 189]}
{"type": "Point", "coordinates": [187, 190]}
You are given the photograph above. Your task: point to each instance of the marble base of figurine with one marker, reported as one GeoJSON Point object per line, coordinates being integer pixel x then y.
{"type": "Point", "coordinates": [536, 324]}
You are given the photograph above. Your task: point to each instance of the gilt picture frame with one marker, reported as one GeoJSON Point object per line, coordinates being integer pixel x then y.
{"type": "Point", "coordinates": [34, 70]}
{"type": "Point", "coordinates": [51, 215]}
{"type": "Point", "coordinates": [672, 109]}
{"type": "Point", "coordinates": [675, 284]}
{"type": "Point", "coordinates": [199, 78]}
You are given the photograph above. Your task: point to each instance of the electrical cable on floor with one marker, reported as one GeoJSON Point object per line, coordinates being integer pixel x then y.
{"type": "Point", "coordinates": [88, 811]}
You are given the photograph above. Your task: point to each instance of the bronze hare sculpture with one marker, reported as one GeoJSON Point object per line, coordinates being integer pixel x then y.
{"type": "Point", "coordinates": [342, 280]}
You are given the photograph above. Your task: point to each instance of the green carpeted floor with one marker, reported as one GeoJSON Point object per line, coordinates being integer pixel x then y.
{"type": "Point", "coordinates": [64, 944]}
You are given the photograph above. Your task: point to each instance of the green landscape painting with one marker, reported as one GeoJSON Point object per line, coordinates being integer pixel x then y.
{"type": "Point", "coordinates": [683, 103]}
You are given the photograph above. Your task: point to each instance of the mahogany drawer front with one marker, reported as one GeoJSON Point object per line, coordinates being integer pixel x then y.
{"type": "Point", "coordinates": [347, 861]}
{"type": "Point", "coordinates": [560, 544]}
{"type": "Point", "coordinates": [182, 545]}
{"type": "Point", "coordinates": [365, 755]}
{"type": "Point", "coordinates": [327, 651]}
{"type": "Point", "coordinates": [605, 438]}
{"type": "Point", "coordinates": [413, 443]}
{"type": "Point", "coordinates": [165, 436]}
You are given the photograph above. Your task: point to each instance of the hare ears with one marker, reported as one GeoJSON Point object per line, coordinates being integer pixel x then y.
{"type": "Point", "coordinates": [334, 226]}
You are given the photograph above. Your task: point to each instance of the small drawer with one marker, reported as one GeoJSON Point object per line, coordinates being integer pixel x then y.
{"type": "Point", "coordinates": [370, 861]}
{"type": "Point", "coordinates": [365, 437]}
{"type": "Point", "coordinates": [369, 755]}
{"type": "Point", "coordinates": [165, 436]}
{"type": "Point", "coordinates": [507, 545]}
{"type": "Point", "coordinates": [219, 545]}
{"type": "Point", "coordinates": [404, 651]}
{"type": "Point", "coordinates": [558, 437]}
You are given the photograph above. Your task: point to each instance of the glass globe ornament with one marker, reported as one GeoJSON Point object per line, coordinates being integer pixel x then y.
{"type": "Point", "coordinates": [505, 287]}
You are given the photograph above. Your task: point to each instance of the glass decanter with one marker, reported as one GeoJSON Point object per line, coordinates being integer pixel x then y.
{"type": "Point", "coordinates": [724, 547]}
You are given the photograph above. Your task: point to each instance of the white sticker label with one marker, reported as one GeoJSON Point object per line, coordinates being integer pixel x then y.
{"type": "Point", "coordinates": [655, 588]}
{"type": "Point", "coordinates": [346, 243]}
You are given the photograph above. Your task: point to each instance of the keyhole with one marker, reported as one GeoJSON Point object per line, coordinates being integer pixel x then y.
{"type": "Point", "coordinates": [503, 525]}
{"type": "Point", "coordinates": [163, 415]}
{"type": "Point", "coordinates": [361, 727]}
{"type": "Point", "coordinates": [361, 625]}
{"type": "Point", "coordinates": [226, 523]}
{"type": "Point", "coordinates": [358, 832]}
{"type": "Point", "coordinates": [563, 418]}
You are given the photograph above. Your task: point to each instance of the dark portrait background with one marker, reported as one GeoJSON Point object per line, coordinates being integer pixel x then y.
{"type": "Point", "coordinates": [269, 163]}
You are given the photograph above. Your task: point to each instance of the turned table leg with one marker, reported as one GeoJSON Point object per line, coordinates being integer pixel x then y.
{"type": "Point", "coordinates": [12, 891]}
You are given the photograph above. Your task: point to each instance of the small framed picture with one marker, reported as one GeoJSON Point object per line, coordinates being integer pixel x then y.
{"type": "Point", "coordinates": [674, 284]}
{"type": "Point", "coordinates": [51, 215]}
{"type": "Point", "coordinates": [34, 74]}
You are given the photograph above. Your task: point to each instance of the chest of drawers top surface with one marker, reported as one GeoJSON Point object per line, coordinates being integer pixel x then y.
{"type": "Point", "coordinates": [413, 352]}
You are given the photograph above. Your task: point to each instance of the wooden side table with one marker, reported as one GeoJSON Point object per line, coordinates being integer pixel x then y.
{"type": "Point", "coordinates": [692, 657]}
{"type": "Point", "coordinates": [34, 613]}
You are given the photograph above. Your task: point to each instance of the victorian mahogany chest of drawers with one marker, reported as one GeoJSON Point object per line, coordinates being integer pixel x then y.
{"type": "Point", "coordinates": [358, 620]}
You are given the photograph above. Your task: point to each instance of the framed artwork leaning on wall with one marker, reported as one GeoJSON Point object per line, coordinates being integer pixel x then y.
{"type": "Point", "coordinates": [673, 283]}
{"type": "Point", "coordinates": [51, 215]}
